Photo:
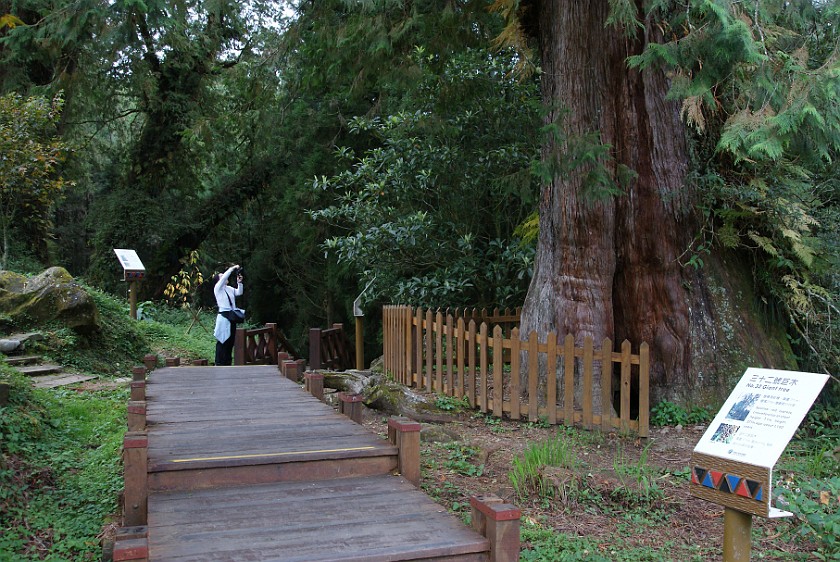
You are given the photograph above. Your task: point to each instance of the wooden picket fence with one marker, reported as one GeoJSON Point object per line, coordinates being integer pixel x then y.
{"type": "Point", "coordinates": [478, 355]}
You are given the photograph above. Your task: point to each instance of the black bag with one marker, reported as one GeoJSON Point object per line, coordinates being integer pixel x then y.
{"type": "Point", "coordinates": [235, 315]}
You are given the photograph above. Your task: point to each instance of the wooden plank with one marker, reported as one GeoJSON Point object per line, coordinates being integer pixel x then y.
{"type": "Point", "coordinates": [587, 382]}
{"type": "Point", "coordinates": [471, 342]}
{"type": "Point", "coordinates": [429, 349]}
{"type": "Point", "coordinates": [551, 377]}
{"type": "Point", "coordinates": [438, 386]}
{"type": "Point", "coordinates": [460, 371]}
{"type": "Point", "coordinates": [449, 383]}
{"type": "Point", "coordinates": [515, 347]}
{"type": "Point", "coordinates": [644, 390]}
{"type": "Point", "coordinates": [483, 383]}
{"type": "Point", "coordinates": [533, 378]}
{"type": "Point", "coordinates": [498, 381]}
{"type": "Point", "coordinates": [417, 377]}
{"type": "Point", "coordinates": [606, 384]}
{"type": "Point", "coordinates": [569, 379]}
{"type": "Point", "coordinates": [625, 386]}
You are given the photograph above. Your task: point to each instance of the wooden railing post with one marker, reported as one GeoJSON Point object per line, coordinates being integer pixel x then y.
{"type": "Point", "coordinates": [315, 348]}
{"type": "Point", "coordinates": [405, 434]}
{"type": "Point", "coordinates": [314, 384]}
{"type": "Point", "coordinates": [136, 416]}
{"type": "Point", "coordinates": [499, 522]}
{"type": "Point", "coordinates": [350, 405]}
{"type": "Point", "coordinates": [239, 344]}
{"type": "Point", "coordinates": [150, 361]}
{"type": "Point", "coordinates": [135, 498]}
{"type": "Point", "coordinates": [272, 342]}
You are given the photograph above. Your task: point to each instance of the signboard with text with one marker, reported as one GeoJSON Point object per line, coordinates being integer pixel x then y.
{"type": "Point", "coordinates": [133, 269]}
{"type": "Point", "coordinates": [733, 462]}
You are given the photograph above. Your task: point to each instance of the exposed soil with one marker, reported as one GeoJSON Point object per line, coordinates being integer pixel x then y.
{"type": "Point", "coordinates": [592, 501]}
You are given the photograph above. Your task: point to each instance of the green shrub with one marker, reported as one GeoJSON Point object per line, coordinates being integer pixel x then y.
{"type": "Point", "coordinates": [816, 509]}
{"type": "Point", "coordinates": [668, 413]}
{"type": "Point", "coordinates": [526, 471]}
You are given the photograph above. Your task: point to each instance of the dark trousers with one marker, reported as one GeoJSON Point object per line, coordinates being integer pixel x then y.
{"type": "Point", "coordinates": [224, 351]}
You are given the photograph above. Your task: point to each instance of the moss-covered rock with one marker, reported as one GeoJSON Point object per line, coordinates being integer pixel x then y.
{"type": "Point", "coordinates": [51, 296]}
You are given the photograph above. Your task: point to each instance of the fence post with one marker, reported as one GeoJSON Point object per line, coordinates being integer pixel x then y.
{"type": "Point", "coordinates": [239, 347]}
{"type": "Point", "coordinates": [625, 386]}
{"type": "Point", "coordinates": [405, 434]}
{"type": "Point", "coordinates": [606, 385]}
{"type": "Point", "coordinates": [644, 390]}
{"type": "Point", "coordinates": [350, 405]}
{"type": "Point", "coordinates": [315, 348]}
{"type": "Point", "coordinates": [135, 498]}
{"type": "Point", "coordinates": [314, 384]}
{"type": "Point", "coordinates": [136, 416]}
{"type": "Point", "coordinates": [150, 361]}
{"type": "Point", "coordinates": [499, 522]}
{"type": "Point", "coordinates": [272, 342]}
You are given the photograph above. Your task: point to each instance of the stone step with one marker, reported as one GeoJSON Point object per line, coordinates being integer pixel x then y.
{"type": "Point", "coordinates": [17, 360]}
{"type": "Point", "coordinates": [39, 370]}
{"type": "Point", "coordinates": [62, 379]}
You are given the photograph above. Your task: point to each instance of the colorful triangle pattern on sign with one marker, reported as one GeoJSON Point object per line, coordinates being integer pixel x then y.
{"type": "Point", "coordinates": [727, 483]}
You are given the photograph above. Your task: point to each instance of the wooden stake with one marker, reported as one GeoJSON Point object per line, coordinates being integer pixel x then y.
{"type": "Point", "coordinates": [737, 539]}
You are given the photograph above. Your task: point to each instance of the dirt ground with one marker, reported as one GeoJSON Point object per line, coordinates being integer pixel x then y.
{"type": "Point", "coordinates": [479, 457]}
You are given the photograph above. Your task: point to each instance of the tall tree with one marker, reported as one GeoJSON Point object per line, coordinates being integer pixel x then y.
{"type": "Point", "coordinates": [618, 211]}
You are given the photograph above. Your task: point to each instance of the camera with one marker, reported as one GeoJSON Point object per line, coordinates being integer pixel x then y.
{"type": "Point", "coordinates": [239, 271]}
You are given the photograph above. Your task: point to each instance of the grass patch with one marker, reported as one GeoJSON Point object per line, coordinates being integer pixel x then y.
{"type": "Point", "coordinates": [60, 471]}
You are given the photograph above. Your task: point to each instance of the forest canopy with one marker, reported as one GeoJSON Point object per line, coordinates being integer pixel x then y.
{"type": "Point", "coordinates": [325, 145]}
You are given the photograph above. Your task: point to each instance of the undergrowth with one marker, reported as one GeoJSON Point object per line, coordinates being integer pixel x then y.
{"type": "Point", "coordinates": [60, 471]}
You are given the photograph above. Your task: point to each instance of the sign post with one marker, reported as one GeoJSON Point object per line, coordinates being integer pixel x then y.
{"type": "Point", "coordinates": [359, 314]}
{"type": "Point", "coordinates": [133, 272]}
{"type": "Point", "coordinates": [732, 464]}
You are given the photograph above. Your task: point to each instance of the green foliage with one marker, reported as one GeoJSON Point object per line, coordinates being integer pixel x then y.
{"type": "Point", "coordinates": [460, 460]}
{"type": "Point", "coordinates": [759, 84]}
{"type": "Point", "coordinates": [667, 413]}
{"type": "Point", "coordinates": [451, 404]}
{"type": "Point", "coordinates": [638, 481]}
{"type": "Point", "coordinates": [526, 474]}
{"type": "Point", "coordinates": [430, 210]}
{"type": "Point", "coordinates": [60, 472]}
{"type": "Point", "coordinates": [816, 509]}
{"type": "Point", "coordinates": [30, 179]}
{"type": "Point", "coordinates": [547, 545]}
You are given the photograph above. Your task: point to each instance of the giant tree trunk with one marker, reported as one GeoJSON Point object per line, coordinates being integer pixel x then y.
{"type": "Point", "coordinates": [607, 266]}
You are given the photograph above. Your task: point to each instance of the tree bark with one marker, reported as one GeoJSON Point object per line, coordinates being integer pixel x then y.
{"type": "Point", "coordinates": [607, 266]}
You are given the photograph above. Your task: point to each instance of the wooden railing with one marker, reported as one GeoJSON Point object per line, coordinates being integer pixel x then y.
{"type": "Point", "coordinates": [260, 346]}
{"type": "Point", "coordinates": [448, 355]}
{"type": "Point", "coordinates": [330, 349]}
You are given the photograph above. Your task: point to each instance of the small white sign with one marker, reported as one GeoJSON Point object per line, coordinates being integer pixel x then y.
{"type": "Point", "coordinates": [129, 260]}
{"type": "Point", "coordinates": [761, 415]}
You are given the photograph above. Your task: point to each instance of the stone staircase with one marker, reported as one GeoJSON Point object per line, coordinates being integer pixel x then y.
{"type": "Point", "coordinates": [43, 375]}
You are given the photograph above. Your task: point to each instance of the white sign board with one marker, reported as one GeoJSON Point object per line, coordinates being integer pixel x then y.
{"type": "Point", "coordinates": [133, 268]}
{"type": "Point", "coordinates": [761, 415]}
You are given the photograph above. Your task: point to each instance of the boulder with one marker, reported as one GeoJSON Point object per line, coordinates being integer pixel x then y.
{"type": "Point", "coordinates": [51, 296]}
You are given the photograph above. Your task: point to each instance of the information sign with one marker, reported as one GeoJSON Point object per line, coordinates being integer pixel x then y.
{"type": "Point", "coordinates": [133, 269]}
{"type": "Point", "coordinates": [733, 462]}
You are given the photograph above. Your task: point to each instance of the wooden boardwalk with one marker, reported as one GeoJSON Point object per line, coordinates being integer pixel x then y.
{"type": "Point", "coordinates": [240, 463]}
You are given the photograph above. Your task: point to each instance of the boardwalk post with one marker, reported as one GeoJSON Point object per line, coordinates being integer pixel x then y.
{"type": "Point", "coordinates": [350, 405]}
{"type": "Point", "coordinates": [290, 370]}
{"type": "Point", "coordinates": [138, 391]}
{"type": "Point", "coordinates": [314, 384]}
{"type": "Point", "coordinates": [405, 434]}
{"type": "Point", "coordinates": [138, 373]}
{"type": "Point", "coordinates": [131, 544]}
{"type": "Point", "coordinates": [315, 348]}
{"type": "Point", "coordinates": [499, 522]}
{"type": "Point", "coordinates": [173, 362]}
{"type": "Point", "coordinates": [136, 416]}
{"type": "Point", "coordinates": [239, 347]}
{"type": "Point", "coordinates": [150, 361]}
{"type": "Point", "coordinates": [135, 454]}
